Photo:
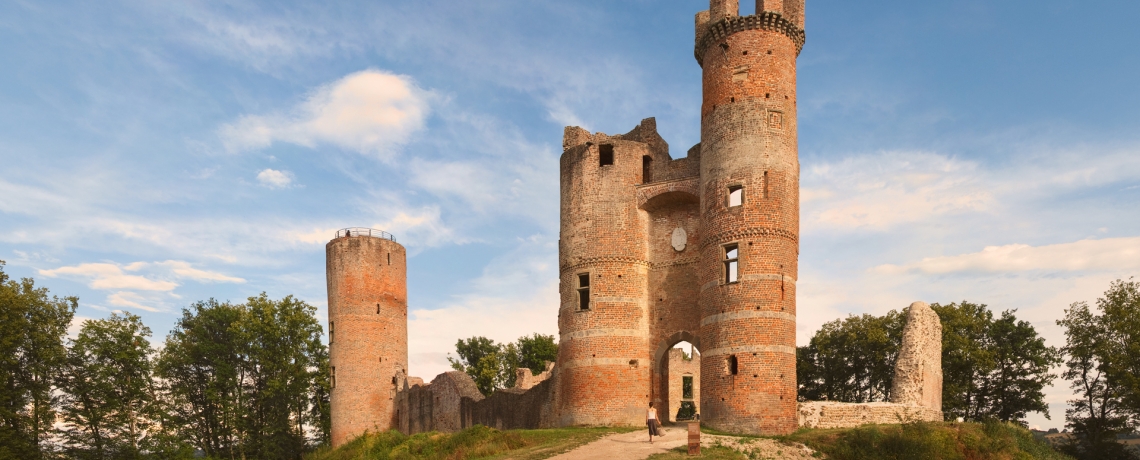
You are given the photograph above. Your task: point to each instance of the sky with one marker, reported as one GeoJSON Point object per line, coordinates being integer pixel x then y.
{"type": "Point", "coordinates": [154, 154]}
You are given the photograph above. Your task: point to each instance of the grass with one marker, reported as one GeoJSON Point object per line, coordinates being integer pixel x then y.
{"type": "Point", "coordinates": [927, 440]}
{"type": "Point", "coordinates": [475, 442]}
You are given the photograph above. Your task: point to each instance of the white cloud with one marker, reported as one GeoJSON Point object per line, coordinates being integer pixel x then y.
{"type": "Point", "coordinates": [110, 276]}
{"type": "Point", "coordinates": [273, 178]}
{"type": "Point", "coordinates": [183, 269]}
{"type": "Point", "coordinates": [1090, 254]}
{"type": "Point", "coordinates": [884, 190]}
{"type": "Point", "coordinates": [129, 300]}
{"type": "Point", "coordinates": [371, 112]}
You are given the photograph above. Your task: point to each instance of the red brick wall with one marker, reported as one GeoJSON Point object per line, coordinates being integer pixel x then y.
{"type": "Point", "coordinates": [367, 349]}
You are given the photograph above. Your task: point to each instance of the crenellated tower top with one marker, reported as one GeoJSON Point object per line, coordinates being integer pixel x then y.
{"type": "Point", "coordinates": [723, 19]}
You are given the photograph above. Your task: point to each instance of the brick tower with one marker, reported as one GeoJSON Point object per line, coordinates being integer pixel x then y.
{"type": "Point", "coordinates": [749, 182]}
{"type": "Point", "coordinates": [368, 330]}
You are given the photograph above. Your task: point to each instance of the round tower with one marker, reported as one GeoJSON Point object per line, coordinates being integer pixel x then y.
{"type": "Point", "coordinates": [750, 215]}
{"type": "Point", "coordinates": [368, 330]}
{"type": "Point", "coordinates": [604, 354]}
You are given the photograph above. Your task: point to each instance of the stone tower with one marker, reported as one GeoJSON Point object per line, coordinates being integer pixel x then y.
{"type": "Point", "coordinates": [749, 183]}
{"type": "Point", "coordinates": [368, 330]}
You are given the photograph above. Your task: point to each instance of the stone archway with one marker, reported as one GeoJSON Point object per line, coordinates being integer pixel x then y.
{"type": "Point", "coordinates": [669, 373]}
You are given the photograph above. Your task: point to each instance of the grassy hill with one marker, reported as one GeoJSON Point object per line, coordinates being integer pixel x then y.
{"type": "Point", "coordinates": [928, 440]}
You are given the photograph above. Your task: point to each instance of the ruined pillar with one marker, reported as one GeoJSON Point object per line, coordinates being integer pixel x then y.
{"type": "Point", "coordinates": [918, 370]}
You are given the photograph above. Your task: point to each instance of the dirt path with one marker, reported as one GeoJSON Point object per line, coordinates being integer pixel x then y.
{"type": "Point", "coordinates": [636, 446]}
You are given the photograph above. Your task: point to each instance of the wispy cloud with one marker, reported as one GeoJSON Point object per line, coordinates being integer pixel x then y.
{"type": "Point", "coordinates": [371, 112]}
{"type": "Point", "coordinates": [110, 276]}
{"type": "Point", "coordinates": [1104, 254]}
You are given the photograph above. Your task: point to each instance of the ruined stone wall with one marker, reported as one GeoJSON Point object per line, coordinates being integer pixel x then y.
{"type": "Point", "coordinates": [918, 369]}
{"type": "Point", "coordinates": [678, 369]}
{"type": "Point", "coordinates": [368, 332]}
{"type": "Point", "coordinates": [748, 140]}
{"type": "Point", "coordinates": [826, 414]}
{"type": "Point", "coordinates": [525, 379]}
{"type": "Point", "coordinates": [437, 406]}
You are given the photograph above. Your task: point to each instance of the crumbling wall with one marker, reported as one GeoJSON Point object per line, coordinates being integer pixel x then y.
{"type": "Point", "coordinates": [515, 408]}
{"type": "Point", "coordinates": [916, 391]}
{"type": "Point", "coordinates": [827, 414]}
{"type": "Point", "coordinates": [525, 378]}
{"type": "Point", "coordinates": [918, 370]}
{"type": "Point", "coordinates": [438, 405]}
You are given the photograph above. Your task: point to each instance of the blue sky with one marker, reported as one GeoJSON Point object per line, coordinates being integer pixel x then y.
{"type": "Point", "coordinates": [157, 153]}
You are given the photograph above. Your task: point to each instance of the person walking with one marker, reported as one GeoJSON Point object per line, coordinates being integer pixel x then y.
{"type": "Point", "coordinates": [651, 422]}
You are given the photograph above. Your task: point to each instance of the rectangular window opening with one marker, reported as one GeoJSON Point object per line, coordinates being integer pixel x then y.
{"type": "Point", "coordinates": [605, 155]}
{"type": "Point", "coordinates": [646, 169]}
{"type": "Point", "coordinates": [733, 367]}
{"type": "Point", "coordinates": [377, 309]}
{"type": "Point", "coordinates": [332, 377]}
{"type": "Point", "coordinates": [584, 291]}
{"type": "Point", "coordinates": [687, 387]}
{"type": "Point", "coordinates": [331, 324]}
{"type": "Point", "coordinates": [735, 195]}
{"type": "Point", "coordinates": [731, 263]}
{"type": "Point", "coordinates": [389, 258]}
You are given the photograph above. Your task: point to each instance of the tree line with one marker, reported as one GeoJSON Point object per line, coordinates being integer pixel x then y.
{"type": "Point", "coordinates": [996, 367]}
{"type": "Point", "coordinates": [232, 381]}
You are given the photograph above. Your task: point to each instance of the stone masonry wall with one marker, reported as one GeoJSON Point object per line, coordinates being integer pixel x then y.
{"type": "Point", "coordinates": [826, 414]}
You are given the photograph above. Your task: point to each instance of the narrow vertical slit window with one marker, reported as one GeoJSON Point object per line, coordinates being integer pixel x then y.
{"type": "Point", "coordinates": [687, 387]}
{"type": "Point", "coordinates": [377, 309]}
{"type": "Point", "coordinates": [331, 324]}
{"type": "Point", "coordinates": [389, 258]}
{"type": "Point", "coordinates": [733, 366]}
{"type": "Point", "coordinates": [765, 184]}
{"type": "Point", "coordinates": [332, 377]}
{"type": "Point", "coordinates": [731, 263]}
{"type": "Point", "coordinates": [646, 169]}
{"type": "Point", "coordinates": [605, 155]}
{"type": "Point", "coordinates": [584, 291]}
{"type": "Point", "coordinates": [735, 196]}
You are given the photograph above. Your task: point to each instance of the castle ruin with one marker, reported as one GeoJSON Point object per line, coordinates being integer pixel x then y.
{"type": "Point", "coordinates": [653, 251]}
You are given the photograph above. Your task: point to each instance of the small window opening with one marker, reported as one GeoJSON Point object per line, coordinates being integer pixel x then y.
{"type": "Point", "coordinates": [745, 52]}
{"type": "Point", "coordinates": [687, 387]}
{"type": "Point", "coordinates": [765, 184]}
{"type": "Point", "coordinates": [767, 95]}
{"type": "Point", "coordinates": [393, 380]}
{"type": "Point", "coordinates": [389, 258]}
{"type": "Point", "coordinates": [584, 291]}
{"type": "Point", "coordinates": [733, 366]}
{"type": "Point", "coordinates": [605, 155]}
{"type": "Point", "coordinates": [731, 263]}
{"type": "Point", "coordinates": [377, 309]}
{"type": "Point", "coordinates": [646, 169]}
{"type": "Point", "coordinates": [331, 330]}
{"type": "Point", "coordinates": [735, 195]}
{"type": "Point", "coordinates": [332, 377]}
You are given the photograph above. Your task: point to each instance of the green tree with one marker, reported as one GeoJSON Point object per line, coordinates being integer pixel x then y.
{"type": "Point", "coordinates": [480, 358]}
{"type": "Point", "coordinates": [32, 327]}
{"type": "Point", "coordinates": [108, 404]}
{"type": "Point", "coordinates": [534, 351]}
{"type": "Point", "coordinates": [281, 370]}
{"type": "Point", "coordinates": [1097, 355]}
{"type": "Point", "coordinates": [200, 366]}
{"type": "Point", "coordinates": [493, 366]}
{"type": "Point", "coordinates": [851, 359]}
{"type": "Point", "coordinates": [992, 368]}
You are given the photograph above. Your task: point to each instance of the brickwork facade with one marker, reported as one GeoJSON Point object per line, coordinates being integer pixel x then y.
{"type": "Point", "coordinates": [654, 237]}
{"type": "Point", "coordinates": [368, 332]}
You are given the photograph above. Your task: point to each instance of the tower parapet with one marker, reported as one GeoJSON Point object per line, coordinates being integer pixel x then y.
{"type": "Point", "coordinates": [368, 330]}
